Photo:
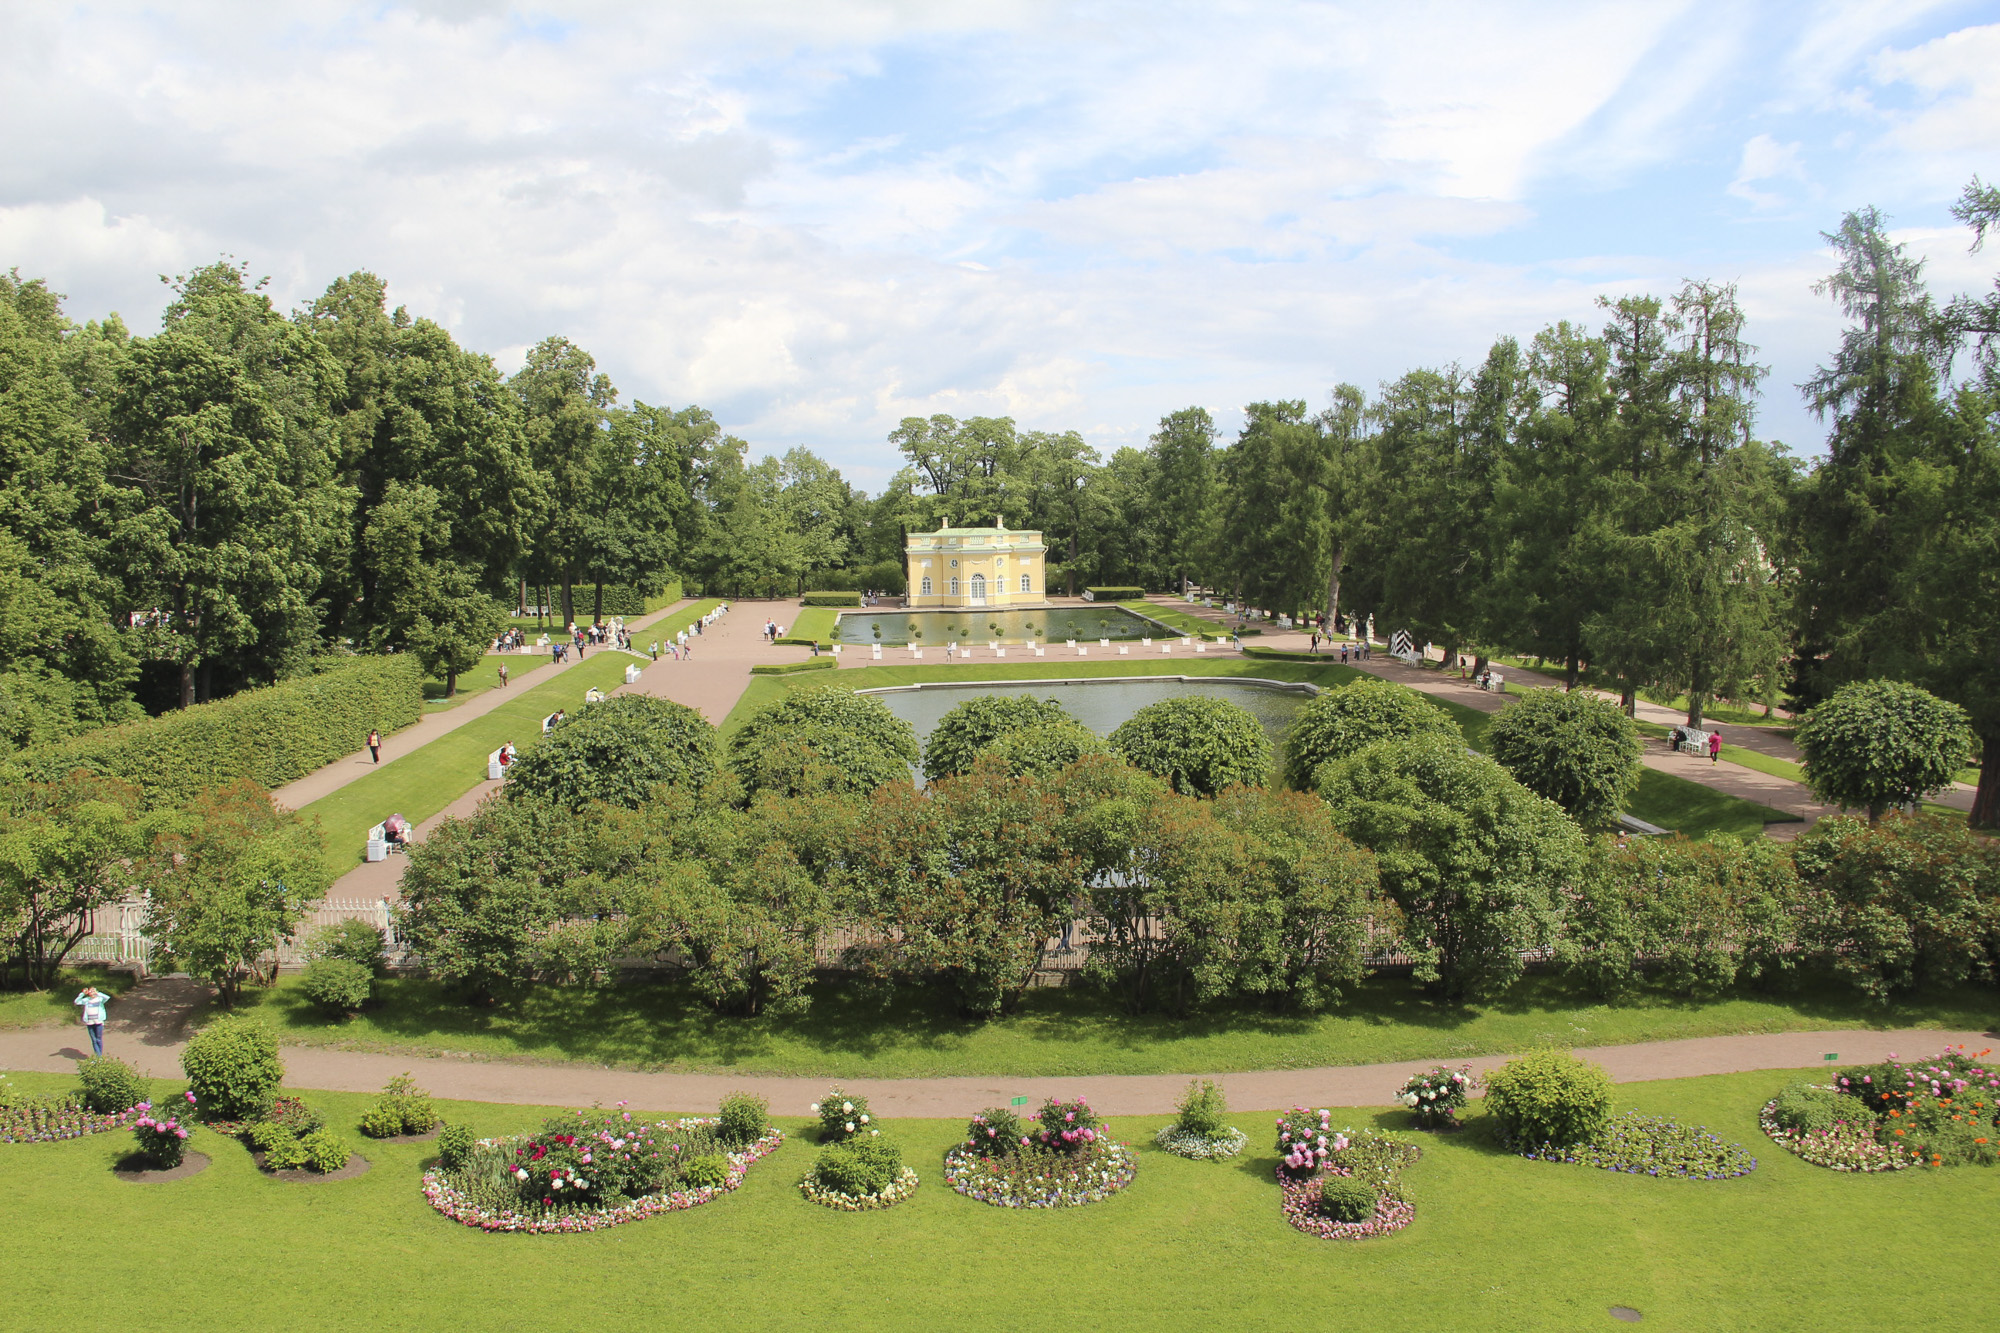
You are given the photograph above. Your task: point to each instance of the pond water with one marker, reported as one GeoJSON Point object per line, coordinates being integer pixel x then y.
{"type": "Point", "coordinates": [1099, 704]}
{"type": "Point", "coordinates": [1055, 624]}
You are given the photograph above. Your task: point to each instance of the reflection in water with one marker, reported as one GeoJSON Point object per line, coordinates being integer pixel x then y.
{"type": "Point", "coordinates": [1046, 625]}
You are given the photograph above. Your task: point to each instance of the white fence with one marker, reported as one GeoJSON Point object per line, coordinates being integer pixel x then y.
{"type": "Point", "coordinates": [117, 934]}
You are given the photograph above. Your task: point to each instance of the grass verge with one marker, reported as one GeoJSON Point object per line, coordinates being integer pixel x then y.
{"type": "Point", "coordinates": [1499, 1242]}
{"type": "Point", "coordinates": [33, 1008]}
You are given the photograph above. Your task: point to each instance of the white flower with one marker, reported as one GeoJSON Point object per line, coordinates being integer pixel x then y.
{"type": "Point", "coordinates": [850, 1126]}
{"type": "Point", "coordinates": [864, 1119]}
{"type": "Point", "coordinates": [1409, 1099]}
{"type": "Point", "coordinates": [814, 1108]}
{"type": "Point", "coordinates": [556, 1183]}
{"type": "Point", "coordinates": [521, 1173]}
{"type": "Point", "coordinates": [847, 1108]}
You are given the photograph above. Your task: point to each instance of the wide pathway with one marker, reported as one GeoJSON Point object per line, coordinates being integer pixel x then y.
{"type": "Point", "coordinates": [146, 1034]}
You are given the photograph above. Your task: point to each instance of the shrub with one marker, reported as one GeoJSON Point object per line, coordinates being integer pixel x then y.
{"type": "Point", "coordinates": [324, 1150]}
{"type": "Point", "coordinates": [831, 599]}
{"type": "Point", "coordinates": [1203, 1109]}
{"type": "Point", "coordinates": [860, 1168]}
{"type": "Point", "coordinates": [744, 1117]}
{"type": "Point", "coordinates": [1367, 1155]}
{"type": "Point", "coordinates": [1882, 743]}
{"type": "Point", "coordinates": [1199, 745]}
{"type": "Point", "coordinates": [1477, 862]}
{"type": "Point", "coordinates": [232, 1066]}
{"type": "Point", "coordinates": [1341, 722]}
{"type": "Point", "coordinates": [162, 1140]}
{"type": "Point", "coordinates": [353, 940]}
{"type": "Point", "coordinates": [994, 1132]}
{"type": "Point", "coordinates": [1304, 1140]}
{"type": "Point", "coordinates": [1046, 748]}
{"type": "Point", "coordinates": [1807, 1109]}
{"type": "Point", "coordinates": [456, 1145]}
{"type": "Point", "coordinates": [841, 1115]}
{"type": "Point", "coordinates": [269, 736]}
{"type": "Point", "coordinates": [823, 737]}
{"type": "Point", "coordinates": [1574, 748]}
{"type": "Point", "coordinates": [1115, 594]}
{"type": "Point", "coordinates": [337, 986]}
{"type": "Point", "coordinates": [617, 751]}
{"type": "Point", "coordinates": [1549, 1097]}
{"type": "Point", "coordinates": [1345, 1199]}
{"type": "Point", "coordinates": [1437, 1096]}
{"type": "Point", "coordinates": [109, 1086]}
{"type": "Point", "coordinates": [794, 668]}
{"type": "Point", "coordinates": [403, 1108]}
{"type": "Point", "coordinates": [1067, 1126]}
{"type": "Point", "coordinates": [968, 729]}
{"type": "Point", "coordinates": [706, 1172]}
{"type": "Point", "coordinates": [295, 1115]}
{"type": "Point", "coordinates": [281, 1148]}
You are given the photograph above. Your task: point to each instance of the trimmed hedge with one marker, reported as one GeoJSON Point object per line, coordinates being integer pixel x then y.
{"type": "Point", "coordinates": [629, 599]}
{"type": "Point", "coordinates": [832, 599]}
{"type": "Point", "coordinates": [270, 736]}
{"type": "Point", "coordinates": [1115, 594]}
{"type": "Point", "coordinates": [788, 668]}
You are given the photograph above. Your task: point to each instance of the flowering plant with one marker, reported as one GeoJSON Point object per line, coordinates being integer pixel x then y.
{"type": "Point", "coordinates": [1038, 1177]}
{"type": "Point", "coordinates": [1304, 1206]}
{"type": "Point", "coordinates": [1840, 1145]}
{"type": "Point", "coordinates": [1200, 1129]}
{"type": "Point", "coordinates": [1067, 1126]}
{"type": "Point", "coordinates": [1653, 1145]}
{"type": "Point", "coordinates": [842, 1115]}
{"type": "Point", "coordinates": [994, 1132]}
{"type": "Point", "coordinates": [1937, 1112]}
{"type": "Point", "coordinates": [47, 1120]}
{"type": "Point", "coordinates": [1437, 1096]}
{"type": "Point", "coordinates": [162, 1139]}
{"type": "Point", "coordinates": [1304, 1140]}
{"type": "Point", "coordinates": [859, 1174]}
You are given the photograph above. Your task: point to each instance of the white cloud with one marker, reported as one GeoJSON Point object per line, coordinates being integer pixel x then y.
{"type": "Point", "coordinates": [1766, 160]}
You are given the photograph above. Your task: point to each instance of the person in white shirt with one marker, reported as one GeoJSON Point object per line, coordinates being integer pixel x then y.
{"type": "Point", "coordinates": [93, 1001]}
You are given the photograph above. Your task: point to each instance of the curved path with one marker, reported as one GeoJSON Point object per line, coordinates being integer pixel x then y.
{"type": "Point", "coordinates": [156, 1050]}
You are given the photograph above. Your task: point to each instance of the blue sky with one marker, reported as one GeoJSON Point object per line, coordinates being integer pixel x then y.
{"type": "Point", "coordinates": [817, 218]}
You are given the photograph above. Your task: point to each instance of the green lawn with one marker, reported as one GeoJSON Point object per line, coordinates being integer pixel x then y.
{"type": "Point", "coordinates": [1499, 1243]}
{"type": "Point", "coordinates": [423, 783]}
{"type": "Point", "coordinates": [853, 1031]}
{"type": "Point", "coordinates": [32, 1008]}
{"type": "Point", "coordinates": [812, 624]}
{"type": "Point", "coordinates": [480, 679]}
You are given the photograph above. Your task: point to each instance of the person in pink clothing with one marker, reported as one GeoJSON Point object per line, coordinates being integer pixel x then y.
{"type": "Point", "coordinates": [1714, 746]}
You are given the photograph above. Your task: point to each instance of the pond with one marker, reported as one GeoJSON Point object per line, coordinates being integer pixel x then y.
{"type": "Point", "coordinates": [1101, 704]}
{"type": "Point", "coordinates": [1055, 624]}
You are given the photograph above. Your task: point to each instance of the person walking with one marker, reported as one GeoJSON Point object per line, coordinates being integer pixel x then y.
{"type": "Point", "coordinates": [503, 675]}
{"type": "Point", "coordinates": [375, 745]}
{"type": "Point", "coordinates": [1714, 746]}
{"type": "Point", "coordinates": [93, 1001]}
{"type": "Point", "coordinates": [1315, 641]}
{"type": "Point", "coordinates": [656, 650]}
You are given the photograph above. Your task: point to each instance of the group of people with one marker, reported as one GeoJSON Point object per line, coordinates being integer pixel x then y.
{"type": "Point", "coordinates": [773, 631]}
{"type": "Point", "coordinates": [1349, 652]}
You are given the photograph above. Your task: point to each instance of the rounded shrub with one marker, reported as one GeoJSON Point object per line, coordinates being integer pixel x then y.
{"type": "Point", "coordinates": [324, 1150]}
{"type": "Point", "coordinates": [1342, 722]}
{"type": "Point", "coordinates": [743, 1118]}
{"type": "Point", "coordinates": [964, 733]}
{"type": "Point", "coordinates": [994, 1132]}
{"type": "Point", "coordinates": [1198, 745]}
{"type": "Point", "coordinates": [338, 986]}
{"type": "Point", "coordinates": [1882, 743]}
{"type": "Point", "coordinates": [707, 1171]}
{"type": "Point", "coordinates": [1549, 1097]}
{"type": "Point", "coordinates": [109, 1086]}
{"type": "Point", "coordinates": [1047, 747]}
{"type": "Point", "coordinates": [1576, 749]}
{"type": "Point", "coordinates": [1203, 1109]}
{"type": "Point", "coordinates": [823, 738]}
{"type": "Point", "coordinates": [233, 1068]}
{"type": "Point", "coordinates": [841, 1114]}
{"type": "Point", "coordinates": [617, 751]}
{"type": "Point", "coordinates": [1810, 1110]}
{"type": "Point", "coordinates": [859, 1168]}
{"type": "Point", "coordinates": [1346, 1199]}
{"type": "Point", "coordinates": [352, 940]}
{"type": "Point", "coordinates": [455, 1146]}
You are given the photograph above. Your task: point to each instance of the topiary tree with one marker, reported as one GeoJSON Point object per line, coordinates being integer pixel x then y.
{"type": "Point", "coordinates": [1047, 747]}
{"type": "Point", "coordinates": [1477, 862]}
{"type": "Point", "coordinates": [233, 1068]}
{"type": "Point", "coordinates": [1576, 749]}
{"type": "Point", "coordinates": [338, 986]}
{"type": "Point", "coordinates": [823, 738]}
{"type": "Point", "coordinates": [1549, 1096]}
{"type": "Point", "coordinates": [1341, 722]}
{"type": "Point", "coordinates": [962, 734]}
{"type": "Point", "coordinates": [1199, 745]}
{"type": "Point", "coordinates": [617, 751]}
{"type": "Point", "coordinates": [1882, 743]}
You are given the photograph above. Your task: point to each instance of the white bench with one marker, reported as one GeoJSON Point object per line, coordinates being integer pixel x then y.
{"type": "Point", "coordinates": [632, 674]}
{"type": "Point", "coordinates": [495, 770]}
{"type": "Point", "coordinates": [1495, 682]}
{"type": "Point", "coordinates": [378, 843]}
{"type": "Point", "coordinates": [1693, 740]}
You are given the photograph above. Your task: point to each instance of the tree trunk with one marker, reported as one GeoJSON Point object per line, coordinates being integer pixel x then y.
{"type": "Point", "coordinates": [1479, 663]}
{"type": "Point", "coordinates": [568, 601]}
{"type": "Point", "coordinates": [521, 588]}
{"type": "Point", "coordinates": [1628, 700]}
{"type": "Point", "coordinates": [187, 685]}
{"type": "Point", "coordinates": [597, 604]}
{"type": "Point", "coordinates": [1697, 701]}
{"type": "Point", "coordinates": [1333, 587]}
{"type": "Point", "coordinates": [450, 682]}
{"type": "Point", "coordinates": [1986, 800]}
{"type": "Point", "coordinates": [1069, 570]}
{"type": "Point", "coordinates": [1569, 672]}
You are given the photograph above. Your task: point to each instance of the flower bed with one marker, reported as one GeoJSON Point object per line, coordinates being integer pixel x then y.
{"type": "Point", "coordinates": [1201, 1147]}
{"type": "Point", "coordinates": [50, 1121]}
{"type": "Point", "coordinates": [1940, 1112]}
{"type": "Point", "coordinates": [900, 1189]}
{"type": "Point", "coordinates": [458, 1203]}
{"type": "Point", "coordinates": [1393, 1212]}
{"type": "Point", "coordinates": [1844, 1147]}
{"type": "Point", "coordinates": [1653, 1145]}
{"type": "Point", "coordinates": [1038, 1177]}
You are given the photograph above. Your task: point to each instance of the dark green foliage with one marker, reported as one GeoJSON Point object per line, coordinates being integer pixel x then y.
{"type": "Point", "coordinates": [1116, 594]}
{"type": "Point", "coordinates": [1882, 743]}
{"type": "Point", "coordinates": [282, 1149]}
{"type": "Point", "coordinates": [455, 1146]}
{"type": "Point", "coordinates": [823, 738]}
{"type": "Point", "coordinates": [994, 1132]}
{"type": "Point", "coordinates": [1199, 745]}
{"type": "Point", "coordinates": [403, 1108]}
{"type": "Point", "coordinates": [1577, 750]}
{"type": "Point", "coordinates": [705, 1171]}
{"type": "Point", "coordinates": [1477, 862]}
{"type": "Point", "coordinates": [1203, 1109]}
{"type": "Point", "coordinates": [617, 751]}
{"type": "Point", "coordinates": [324, 1150]}
{"type": "Point", "coordinates": [338, 986]}
{"type": "Point", "coordinates": [1812, 1110]}
{"type": "Point", "coordinates": [269, 736]}
{"type": "Point", "coordinates": [353, 940]}
{"type": "Point", "coordinates": [1047, 747]}
{"type": "Point", "coordinates": [108, 1085]}
{"type": "Point", "coordinates": [827, 663]}
{"type": "Point", "coordinates": [1911, 902]}
{"type": "Point", "coordinates": [233, 1067]}
{"type": "Point", "coordinates": [743, 1119]}
{"type": "Point", "coordinates": [970, 728]}
{"type": "Point", "coordinates": [1346, 1199]}
{"type": "Point", "coordinates": [296, 1116]}
{"type": "Point", "coordinates": [1341, 722]}
{"type": "Point", "coordinates": [1549, 1097]}
{"type": "Point", "coordinates": [863, 1167]}
{"type": "Point", "coordinates": [831, 599]}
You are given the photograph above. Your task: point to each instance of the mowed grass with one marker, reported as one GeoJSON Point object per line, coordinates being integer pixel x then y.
{"type": "Point", "coordinates": [424, 782]}
{"type": "Point", "coordinates": [33, 1008]}
{"type": "Point", "coordinates": [853, 1031]}
{"type": "Point", "coordinates": [480, 679]}
{"type": "Point", "coordinates": [1499, 1242]}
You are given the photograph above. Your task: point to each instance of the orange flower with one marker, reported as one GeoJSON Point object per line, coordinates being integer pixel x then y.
{"type": "Point", "coordinates": [1899, 1133]}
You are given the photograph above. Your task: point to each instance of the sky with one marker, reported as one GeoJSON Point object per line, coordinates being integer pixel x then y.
{"type": "Point", "coordinates": [818, 217]}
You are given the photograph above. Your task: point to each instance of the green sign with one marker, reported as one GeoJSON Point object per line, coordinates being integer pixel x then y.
{"type": "Point", "coordinates": [1831, 1055]}
{"type": "Point", "coordinates": [1020, 1101]}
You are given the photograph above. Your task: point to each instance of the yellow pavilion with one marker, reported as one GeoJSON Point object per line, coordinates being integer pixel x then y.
{"type": "Point", "coordinates": [959, 567]}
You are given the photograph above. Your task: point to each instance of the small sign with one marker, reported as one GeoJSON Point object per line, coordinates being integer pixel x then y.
{"type": "Point", "coordinates": [1831, 1055]}
{"type": "Point", "coordinates": [1020, 1101]}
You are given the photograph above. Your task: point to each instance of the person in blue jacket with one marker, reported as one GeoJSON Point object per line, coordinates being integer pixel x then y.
{"type": "Point", "coordinates": [93, 1001]}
